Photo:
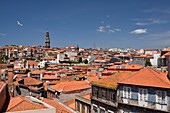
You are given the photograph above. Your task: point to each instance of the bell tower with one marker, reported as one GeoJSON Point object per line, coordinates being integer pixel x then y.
{"type": "Point", "coordinates": [47, 40]}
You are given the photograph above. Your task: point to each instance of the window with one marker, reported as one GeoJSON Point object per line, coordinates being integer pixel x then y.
{"type": "Point", "coordinates": [112, 96]}
{"type": "Point", "coordinates": [102, 110]}
{"type": "Point", "coordinates": [123, 67]}
{"type": "Point", "coordinates": [161, 97]}
{"type": "Point", "coordinates": [127, 92]}
{"type": "Point", "coordinates": [143, 94]}
{"type": "Point", "coordinates": [103, 94]}
{"type": "Point", "coordinates": [83, 108]}
{"type": "Point", "coordinates": [95, 109]}
{"type": "Point", "coordinates": [95, 92]}
{"type": "Point", "coordinates": [78, 106]}
{"type": "Point", "coordinates": [117, 67]}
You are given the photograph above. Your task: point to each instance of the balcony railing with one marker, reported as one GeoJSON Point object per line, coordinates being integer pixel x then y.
{"type": "Point", "coordinates": [105, 101]}
{"type": "Point", "coordinates": [134, 102]}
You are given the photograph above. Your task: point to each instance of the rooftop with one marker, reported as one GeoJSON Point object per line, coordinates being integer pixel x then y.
{"type": "Point", "coordinates": [111, 81]}
{"type": "Point", "coordinates": [69, 86]}
{"type": "Point", "coordinates": [31, 81]}
{"type": "Point", "coordinates": [59, 107]}
{"type": "Point", "coordinates": [21, 103]}
{"type": "Point", "coordinates": [148, 77]}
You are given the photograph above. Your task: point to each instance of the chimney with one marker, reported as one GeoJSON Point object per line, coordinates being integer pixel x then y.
{"type": "Point", "coordinates": [10, 80]}
{"type": "Point", "coordinates": [10, 73]}
{"type": "Point", "coordinates": [169, 68]}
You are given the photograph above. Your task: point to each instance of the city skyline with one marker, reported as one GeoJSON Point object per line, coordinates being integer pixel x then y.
{"type": "Point", "coordinates": [107, 24]}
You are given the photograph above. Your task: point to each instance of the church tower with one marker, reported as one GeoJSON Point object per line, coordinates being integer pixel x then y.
{"type": "Point", "coordinates": [47, 40]}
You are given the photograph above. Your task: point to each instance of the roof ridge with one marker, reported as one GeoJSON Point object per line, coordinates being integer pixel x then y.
{"type": "Point", "coordinates": [158, 76]}
{"type": "Point", "coordinates": [17, 103]}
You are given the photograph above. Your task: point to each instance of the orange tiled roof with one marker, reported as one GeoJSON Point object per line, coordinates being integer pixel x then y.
{"type": "Point", "coordinates": [31, 62]}
{"type": "Point", "coordinates": [148, 77]}
{"type": "Point", "coordinates": [69, 86]}
{"type": "Point", "coordinates": [21, 103]}
{"type": "Point", "coordinates": [87, 96]}
{"type": "Point", "coordinates": [47, 58]}
{"type": "Point", "coordinates": [59, 107]}
{"type": "Point", "coordinates": [127, 66]}
{"type": "Point", "coordinates": [111, 81]}
{"type": "Point", "coordinates": [37, 71]}
{"type": "Point", "coordinates": [71, 103]}
{"type": "Point", "coordinates": [31, 81]}
{"type": "Point", "coordinates": [50, 77]}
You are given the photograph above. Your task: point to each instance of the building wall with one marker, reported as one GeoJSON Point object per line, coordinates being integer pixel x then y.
{"type": "Point", "coordinates": [103, 103]}
{"type": "Point", "coordinates": [63, 97]}
{"type": "Point", "coordinates": [82, 107]}
{"type": "Point", "coordinates": [148, 100]}
{"type": "Point", "coordinates": [2, 96]}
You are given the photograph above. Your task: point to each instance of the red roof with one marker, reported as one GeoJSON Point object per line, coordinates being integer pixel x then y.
{"type": "Point", "coordinates": [69, 86]}
{"type": "Point", "coordinates": [148, 77]}
{"type": "Point", "coordinates": [59, 107]}
{"type": "Point", "coordinates": [31, 81]}
{"type": "Point", "coordinates": [21, 103]}
{"type": "Point", "coordinates": [31, 62]}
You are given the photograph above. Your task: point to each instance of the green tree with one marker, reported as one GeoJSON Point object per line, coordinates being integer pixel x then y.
{"type": "Point", "coordinates": [46, 65]}
{"type": "Point", "coordinates": [148, 63]}
{"type": "Point", "coordinates": [80, 60]}
{"type": "Point", "coordinates": [85, 61]}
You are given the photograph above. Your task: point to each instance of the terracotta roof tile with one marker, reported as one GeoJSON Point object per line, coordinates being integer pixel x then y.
{"type": "Point", "coordinates": [148, 77]}
{"type": "Point", "coordinates": [31, 62]}
{"type": "Point", "coordinates": [31, 81]}
{"type": "Point", "coordinates": [127, 66]}
{"type": "Point", "coordinates": [70, 86]}
{"type": "Point", "coordinates": [21, 103]}
{"type": "Point", "coordinates": [37, 71]}
{"type": "Point", "coordinates": [111, 81]}
{"type": "Point", "coordinates": [71, 103]}
{"type": "Point", "coordinates": [50, 77]}
{"type": "Point", "coordinates": [59, 107]}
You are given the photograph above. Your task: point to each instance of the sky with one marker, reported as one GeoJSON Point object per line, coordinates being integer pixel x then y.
{"type": "Point", "coordinates": [103, 23]}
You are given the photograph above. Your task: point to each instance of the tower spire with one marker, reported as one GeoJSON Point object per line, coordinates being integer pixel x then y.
{"type": "Point", "coordinates": [47, 40]}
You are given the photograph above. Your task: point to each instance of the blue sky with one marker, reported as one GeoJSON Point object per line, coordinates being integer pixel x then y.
{"type": "Point", "coordinates": [107, 23]}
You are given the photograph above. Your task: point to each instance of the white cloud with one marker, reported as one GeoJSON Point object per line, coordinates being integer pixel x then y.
{"type": "Point", "coordinates": [111, 31]}
{"type": "Point", "coordinates": [101, 29]}
{"type": "Point", "coordinates": [2, 34]}
{"type": "Point", "coordinates": [157, 10]}
{"type": "Point", "coordinates": [143, 22]}
{"type": "Point", "coordinates": [19, 24]}
{"type": "Point", "coordinates": [107, 16]}
{"type": "Point", "coordinates": [139, 31]}
{"type": "Point", "coordinates": [107, 29]}
{"type": "Point", "coordinates": [117, 29]}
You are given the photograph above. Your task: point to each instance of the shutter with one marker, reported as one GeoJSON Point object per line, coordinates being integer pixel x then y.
{"type": "Point", "coordinates": [121, 90]}
{"type": "Point", "coordinates": [151, 95]}
{"type": "Point", "coordinates": [168, 95]}
{"type": "Point", "coordinates": [134, 93]}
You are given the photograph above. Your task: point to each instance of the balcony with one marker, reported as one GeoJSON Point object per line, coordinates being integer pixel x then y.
{"type": "Point", "coordinates": [133, 102]}
{"type": "Point", "coordinates": [107, 102]}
